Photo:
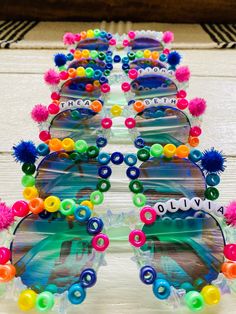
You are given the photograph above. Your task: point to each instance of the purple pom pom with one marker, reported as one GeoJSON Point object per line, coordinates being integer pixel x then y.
{"type": "Point", "coordinates": [213, 161]}
{"type": "Point", "coordinates": [39, 113]}
{"type": "Point", "coordinates": [230, 214]}
{"type": "Point", "coordinates": [6, 216]}
{"type": "Point", "coordinates": [25, 152]}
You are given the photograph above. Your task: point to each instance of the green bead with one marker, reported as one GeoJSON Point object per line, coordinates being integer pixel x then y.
{"type": "Point", "coordinates": [67, 207]}
{"type": "Point", "coordinates": [131, 55]}
{"type": "Point", "coordinates": [136, 186]}
{"type": "Point", "coordinates": [96, 32]}
{"type": "Point", "coordinates": [75, 156]}
{"type": "Point", "coordinates": [103, 185]}
{"type": "Point", "coordinates": [107, 72]}
{"type": "Point", "coordinates": [28, 180]}
{"type": "Point", "coordinates": [93, 54]}
{"type": "Point", "coordinates": [156, 150]}
{"type": "Point", "coordinates": [139, 54]}
{"type": "Point", "coordinates": [75, 114]}
{"type": "Point", "coordinates": [101, 55]}
{"type": "Point", "coordinates": [45, 301]}
{"type": "Point", "coordinates": [81, 146]}
{"type": "Point", "coordinates": [143, 154]}
{"type": "Point", "coordinates": [92, 151]}
{"type": "Point", "coordinates": [211, 193]}
{"type": "Point", "coordinates": [139, 200]}
{"type": "Point", "coordinates": [194, 301]}
{"type": "Point", "coordinates": [62, 68]}
{"type": "Point", "coordinates": [28, 168]}
{"type": "Point", "coordinates": [89, 72]}
{"type": "Point", "coordinates": [96, 197]}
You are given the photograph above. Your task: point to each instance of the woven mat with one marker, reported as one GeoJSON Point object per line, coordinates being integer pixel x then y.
{"type": "Point", "coordinates": [48, 35]}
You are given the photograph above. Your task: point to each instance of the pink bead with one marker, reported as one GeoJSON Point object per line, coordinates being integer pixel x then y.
{"type": "Point", "coordinates": [53, 108]}
{"type": "Point", "coordinates": [106, 123]}
{"type": "Point", "coordinates": [133, 73]}
{"type": "Point", "coordinates": [181, 94]}
{"type": "Point", "coordinates": [44, 136]}
{"type": "Point", "coordinates": [103, 238]}
{"type": "Point", "coordinates": [125, 43]}
{"type": "Point", "coordinates": [105, 88]}
{"type": "Point", "coordinates": [20, 208]}
{"type": "Point", "coordinates": [125, 87]}
{"type": "Point", "coordinates": [72, 50]}
{"type": "Point", "coordinates": [63, 75]}
{"type": "Point", "coordinates": [151, 213]}
{"type": "Point", "coordinates": [131, 35]}
{"type": "Point", "coordinates": [77, 37]}
{"type": "Point", "coordinates": [55, 96]}
{"type": "Point", "coordinates": [182, 104]}
{"type": "Point", "coordinates": [137, 238]}
{"type": "Point", "coordinates": [230, 252]}
{"type": "Point", "coordinates": [166, 51]}
{"type": "Point", "coordinates": [195, 131]}
{"type": "Point", "coordinates": [130, 123]}
{"type": "Point", "coordinates": [112, 42]}
{"type": "Point", "coordinates": [5, 255]}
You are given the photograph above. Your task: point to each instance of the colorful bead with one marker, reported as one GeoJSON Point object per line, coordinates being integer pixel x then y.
{"type": "Point", "coordinates": [133, 74]}
{"type": "Point", "coordinates": [193, 141]}
{"type": "Point", "coordinates": [229, 270]}
{"type": "Point", "coordinates": [130, 123]}
{"type": "Point", "coordinates": [106, 123]}
{"type": "Point", "coordinates": [89, 72]}
{"type": "Point", "coordinates": [136, 186]}
{"type": "Point", "coordinates": [96, 197]}
{"type": "Point", "coordinates": [117, 158]}
{"type": "Point", "coordinates": [94, 225]}
{"type": "Point", "coordinates": [137, 238]}
{"type": "Point", "coordinates": [67, 207]}
{"type": "Point", "coordinates": [143, 154]}
{"type": "Point", "coordinates": [194, 301]}
{"type": "Point", "coordinates": [138, 106]}
{"type": "Point", "coordinates": [68, 144]}
{"type": "Point", "coordinates": [100, 242]}
{"type": "Point", "coordinates": [44, 136]}
{"type": "Point", "coordinates": [139, 54]}
{"type": "Point", "coordinates": [161, 289]}
{"type": "Point", "coordinates": [156, 150]}
{"type": "Point", "coordinates": [133, 172]}
{"type": "Point", "coordinates": [96, 32]}
{"type": "Point", "coordinates": [82, 213]}
{"type": "Point", "coordinates": [116, 110]}
{"type": "Point", "coordinates": [182, 151]}
{"type": "Point", "coordinates": [230, 251]}
{"type": "Point", "coordinates": [101, 141]}
{"type": "Point", "coordinates": [212, 179]}
{"type": "Point", "coordinates": [88, 278]}
{"type": "Point", "coordinates": [52, 204]}
{"type": "Point", "coordinates": [81, 146]}
{"type": "Point", "coordinates": [45, 301]}
{"type": "Point", "coordinates": [88, 204]}
{"type": "Point", "coordinates": [211, 294]}
{"type": "Point", "coordinates": [30, 192]}
{"type": "Point", "coordinates": [27, 300]}
{"type": "Point", "coordinates": [5, 255]}
{"type": "Point", "coordinates": [130, 159]}
{"type": "Point", "coordinates": [211, 193]}
{"type": "Point", "coordinates": [28, 168]}
{"type": "Point", "coordinates": [182, 104]}
{"type": "Point", "coordinates": [147, 275]}
{"type": "Point", "coordinates": [28, 180]}
{"type": "Point", "coordinates": [147, 53]}
{"type": "Point", "coordinates": [195, 131]}
{"type": "Point", "coordinates": [92, 151]}
{"type": "Point", "coordinates": [76, 294]}
{"type": "Point", "coordinates": [55, 144]}
{"type": "Point", "coordinates": [104, 172]}
{"type": "Point", "coordinates": [105, 88]}
{"type": "Point", "coordinates": [148, 215]}
{"type": "Point", "coordinates": [125, 87]}
{"type": "Point", "coordinates": [139, 200]}
{"type": "Point", "coordinates": [169, 150]}
{"type": "Point", "coordinates": [80, 71]}
{"type": "Point", "coordinates": [195, 155]}
{"type": "Point", "coordinates": [139, 142]}
{"type": "Point", "coordinates": [43, 149]}
{"type": "Point", "coordinates": [7, 273]}
{"type": "Point", "coordinates": [104, 158]}
{"type": "Point", "coordinates": [36, 205]}
{"type": "Point", "coordinates": [103, 185]}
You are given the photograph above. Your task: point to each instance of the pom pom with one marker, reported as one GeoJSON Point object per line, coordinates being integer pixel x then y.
{"type": "Point", "coordinates": [39, 113]}
{"type": "Point", "coordinates": [213, 161]}
{"type": "Point", "coordinates": [182, 74]}
{"type": "Point", "coordinates": [25, 152]}
{"type": "Point", "coordinates": [6, 216]}
{"type": "Point", "coordinates": [173, 58]}
{"type": "Point", "coordinates": [230, 214]}
{"type": "Point", "coordinates": [168, 37]}
{"type": "Point", "coordinates": [197, 106]}
{"type": "Point", "coordinates": [60, 59]}
{"type": "Point", "coordinates": [51, 77]}
{"type": "Point", "coordinates": [69, 39]}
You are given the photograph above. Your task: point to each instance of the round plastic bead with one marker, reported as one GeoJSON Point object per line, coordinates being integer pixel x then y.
{"type": "Point", "coordinates": [147, 53]}
{"type": "Point", "coordinates": [68, 144]}
{"type": "Point", "coordinates": [27, 300]}
{"type": "Point", "coordinates": [76, 294]}
{"type": "Point", "coordinates": [143, 154]}
{"type": "Point", "coordinates": [106, 123]}
{"type": "Point", "coordinates": [89, 72]}
{"type": "Point", "coordinates": [88, 204]}
{"type": "Point", "coordinates": [55, 144]}
{"type": "Point", "coordinates": [101, 141]}
{"type": "Point", "coordinates": [52, 288]}
{"type": "Point", "coordinates": [96, 32]}
{"type": "Point", "coordinates": [133, 74]}
{"type": "Point", "coordinates": [169, 150]}
{"type": "Point", "coordinates": [182, 104]}
{"type": "Point", "coordinates": [20, 208]}
{"type": "Point", "coordinates": [130, 159]}
{"type": "Point", "coordinates": [148, 215]}
{"type": "Point", "coordinates": [211, 193]}
{"type": "Point", "coordinates": [117, 158]}
{"type": "Point", "coordinates": [230, 251]}
{"type": "Point", "coordinates": [212, 179]}
{"type": "Point", "coordinates": [52, 204]}
{"type": "Point", "coordinates": [96, 106]}
{"type": "Point", "coordinates": [36, 205]}
{"type": "Point", "coordinates": [195, 155]}
{"type": "Point", "coordinates": [187, 286]}
{"type": "Point", "coordinates": [139, 54]}
{"type": "Point", "coordinates": [133, 172]}
{"type": "Point", "coordinates": [147, 275]}
{"type": "Point", "coordinates": [101, 55]}
{"type": "Point", "coordinates": [139, 142]}
{"type": "Point", "coordinates": [7, 273]}
{"type": "Point", "coordinates": [81, 146]}
{"type": "Point", "coordinates": [193, 141]}
{"type": "Point", "coordinates": [139, 200]}
{"type": "Point", "coordinates": [125, 87]}
{"type": "Point", "coordinates": [137, 238]}
{"type": "Point", "coordinates": [125, 60]}
{"type": "Point", "coordinates": [229, 270]}
{"type": "Point", "coordinates": [53, 108]}
{"type": "Point", "coordinates": [44, 136]}
{"type": "Point", "coordinates": [117, 59]}
{"type": "Point", "coordinates": [45, 301]}
{"type": "Point", "coordinates": [125, 67]}
{"type": "Point", "coordinates": [28, 168]}
{"type": "Point", "coordinates": [131, 55]}
{"type": "Point", "coordinates": [194, 301]}
{"type": "Point", "coordinates": [103, 185]}
{"type": "Point", "coordinates": [104, 158]}
{"type": "Point", "coordinates": [156, 150]}
{"type": "Point", "coordinates": [96, 197]}
{"type": "Point", "coordinates": [30, 192]}
{"type": "Point", "coordinates": [28, 180]}
{"type": "Point", "coordinates": [5, 255]}
{"type": "Point", "coordinates": [92, 151]}
{"type": "Point", "coordinates": [88, 278]}
{"type": "Point", "coordinates": [211, 294]}
{"type": "Point", "coordinates": [195, 131]}
{"type": "Point", "coordinates": [44, 215]}
{"type": "Point", "coordinates": [82, 213]}
{"type": "Point", "coordinates": [104, 172]}
{"type": "Point", "coordinates": [136, 186]}
{"type": "Point", "coordinates": [73, 156]}
{"type": "Point", "coordinates": [43, 149]}
{"type": "Point", "coordinates": [182, 151]}
{"type": "Point", "coordinates": [116, 110]}
{"type": "Point", "coordinates": [100, 242]}
{"type": "Point", "coordinates": [139, 106]}
{"type": "Point", "coordinates": [130, 123]}
{"type": "Point", "coordinates": [67, 207]}
{"type": "Point", "coordinates": [94, 225]}
{"type": "Point", "coordinates": [161, 289]}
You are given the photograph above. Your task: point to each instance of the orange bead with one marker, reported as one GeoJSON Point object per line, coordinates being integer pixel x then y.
{"type": "Point", "coordinates": [77, 54]}
{"type": "Point", "coordinates": [83, 35]}
{"type": "Point", "coordinates": [72, 72]}
{"type": "Point", "coordinates": [55, 144]}
{"type": "Point", "coordinates": [36, 205]}
{"type": "Point", "coordinates": [96, 83]}
{"type": "Point", "coordinates": [229, 270]}
{"type": "Point", "coordinates": [138, 106]}
{"type": "Point", "coordinates": [96, 106]}
{"type": "Point", "coordinates": [193, 141]}
{"type": "Point", "coordinates": [155, 55]}
{"type": "Point", "coordinates": [7, 272]}
{"type": "Point", "coordinates": [182, 151]}
{"type": "Point", "coordinates": [57, 102]}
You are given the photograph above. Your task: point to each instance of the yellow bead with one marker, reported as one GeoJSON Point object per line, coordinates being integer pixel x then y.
{"type": "Point", "coordinates": [88, 204]}
{"type": "Point", "coordinates": [85, 53]}
{"type": "Point", "coordinates": [30, 192]}
{"type": "Point", "coordinates": [68, 144]}
{"type": "Point", "coordinates": [169, 150]}
{"type": "Point", "coordinates": [52, 204]}
{"type": "Point", "coordinates": [80, 71]}
{"type": "Point", "coordinates": [211, 294]}
{"type": "Point", "coordinates": [147, 53]}
{"type": "Point", "coordinates": [96, 83]}
{"type": "Point", "coordinates": [90, 33]}
{"type": "Point", "coordinates": [27, 300]}
{"type": "Point", "coordinates": [116, 110]}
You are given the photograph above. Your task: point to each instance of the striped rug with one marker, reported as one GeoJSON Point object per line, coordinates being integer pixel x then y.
{"type": "Point", "coordinates": [48, 35]}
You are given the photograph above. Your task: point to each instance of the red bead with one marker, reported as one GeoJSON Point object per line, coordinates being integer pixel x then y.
{"type": "Point", "coordinates": [5, 255]}
{"type": "Point", "coordinates": [195, 131]}
{"type": "Point", "coordinates": [89, 87]}
{"type": "Point", "coordinates": [130, 123]}
{"type": "Point", "coordinates": [53, 108]}
{"type": "Point", "coordinates": [77, 37]}
{"type": "Point", "coordinates": [181, 94]}
{"type": "Point", "coordinates": [125, 43]}
{"type": "Point", "coordinates": [166, 51]}
{"type": "Point", "coordinates": [44, 136]}
{"type": "Point", "coordinates": [106, 123]}
{"type": "Point", "coordinates": [182, 103]}
{"type": "Point", "coordinates": [131, 35]}
{"type": "Point", "coordinates": [55, 96]}
{"type": "Point", "coordinates": [105, 88]}
{"type": "Point", "coordinates": [20, 208]}
{"type": "Point", "coordinates": [64, 75]}
{"type": "Point", "coordinates": [125, 87]}
{"type": "Point", "coordinates": [112, 42]}
{"type": "Point", "coordinates": [230, 252]}
{"type": "Point", "coordinates": [133, 73]}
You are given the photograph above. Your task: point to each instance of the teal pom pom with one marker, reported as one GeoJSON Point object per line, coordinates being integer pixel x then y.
{"type": "Point", "coordinates": [25, 152]}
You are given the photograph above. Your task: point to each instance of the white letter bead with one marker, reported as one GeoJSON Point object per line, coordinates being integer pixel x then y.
{"type": "Point", "coordinates": [208, 206]}
{"type": "Point", "coordinates": [160, 208]}
{"type": "Point", "coordinates": [219, 210]}
{"type": "Point", "coordinates": [184, 203]}
{"type": "Point", "coordinates": [196, 203]}
{"type": "Point", "coordinates": [172, 206]}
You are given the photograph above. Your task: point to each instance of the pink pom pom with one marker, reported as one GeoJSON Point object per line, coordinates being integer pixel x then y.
{"type": "Point", "coordinates": [230, 214]}
{"type": "Point", "coordinates": [69, 39]}
{"type": "Point", "coordinates": [182, 74]}
{"type": "Point", "coordinates": [51, 77]}
{"type": "Point", "coordinates": [6, 216]}
{"type": "Point", "coordinates": [197, 106]}
{"type": "Point", "coordinates": [168, 37]}
{"type": "Point", "coordinates": [39, 113]}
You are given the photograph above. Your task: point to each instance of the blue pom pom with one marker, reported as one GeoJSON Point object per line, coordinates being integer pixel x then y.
{"type": "Point", "coordinates": [25, 152]}
{"type": "Point", "coordinates": [173, 58]}
{"type": "Point", "coordinates": [60, 59]}
{"type": "Point", "coordinates": [213, 161]}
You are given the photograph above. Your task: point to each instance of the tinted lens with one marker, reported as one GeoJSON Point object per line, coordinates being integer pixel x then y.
{"type": "Point", "coordinates": [146, 43]}
{"type": "Point", "coordinates": [99, 44]}
{"type": "Point", "coordinates": [95, 64]}
{"type": "Point", "coordinates": [146, 63]}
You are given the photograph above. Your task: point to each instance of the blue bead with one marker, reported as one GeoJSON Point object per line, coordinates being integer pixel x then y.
{"type": "Point", "coordinates": [147, 275]}
{"type": "Point", "coordinates": [82, 217]}
{"type": "Point", "coordinates": [195, 155]}
{"type": "Point", "coordinates": [104, 172]}
{"type": "Point", "coordinates": [139, 142]}
{"type": "Point", "coordinates": [162, 57]}
{"type": "Point", "coordinates": [125, 60]}
{"type": "Point", "coordinates": [130, 159]}
{"type": "Point", "coordinates": [109, 36]}
{"type": "Point", "coordinates": [104, 158]}
{"type": "Point", "coordinates": [131, 102]}
{"type": "Point", "coordinates": [43, 149]}
{"type": "Point", "coordinates": [97, 74]}
{"type": "Point", "coordinates": [109, 66]}
{"type": "Point", "coordinates": [116, 58]}
{"type": "Point", "coordinates": [44, 214]}
{"type": "Point", "coordinates": [103, 34]}
{"type": "Point", "coordinates": [161, 284]}
{"type": "Point", "coordinates": [101, 141]}
{"type": "Point", "coordinates": [70, 57]}
{"type": "Point", "coordinates": [109, 53]}
{"type": "Point", "coordinates": [103, 80]}
{"type": "Point", "coordinates": [212, 179]}
{"type": "Point", "coordinates": [76, 294]}
{"type": "Point", "coordinates": [88, 278]}
{"type": "Point", "coordinates": [117, 158]}
{"type": "Point", "coordinates": [187, 286]}
{"type": "Point", "coordinates": [125, 67]}
{"type": "Point", "coordinates": [133, 172]}
{"type": "Point", "coordinates": [108, 59]}
{"type": "Point", "coordinates": [94, 225]}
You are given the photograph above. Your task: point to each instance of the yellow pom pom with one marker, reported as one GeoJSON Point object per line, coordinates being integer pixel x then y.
{"type": "Point", "coordinates": [90, 33]}
{"type": "Point", "coordinates": [169, 150]}
{"type": "Point", "coordinates": [27, 300]}
{"type": "Point", "coordinates": [88, 204]}
{"type": "Point", "coordinates": [68, 144]}
{"type": "Point", "coordinates": [80, 71]}
{"type": "Point", "coordinates": [85, 53]}
{"type": "Point", "coordinates": [147, 53]}
{"type": "Point", "coordinates": [116, 110]}
{"type": "Point", "coordinates": [52, 204]}
{"type": "Point", "coordinates": [211, 294]}
{"type": "Point", "coordinates": [30, 192]}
